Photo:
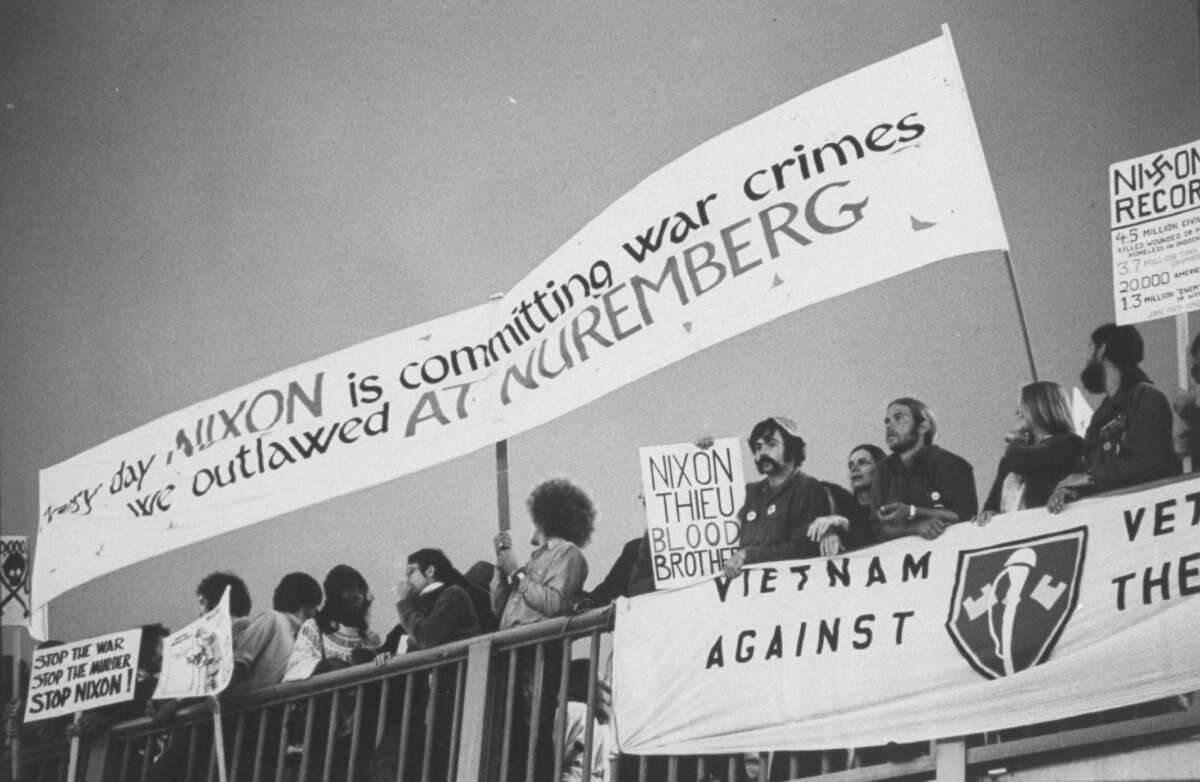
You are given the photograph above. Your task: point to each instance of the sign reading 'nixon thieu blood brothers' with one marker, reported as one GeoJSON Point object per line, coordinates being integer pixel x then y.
{"type": "Point", "coordinates": [860, 179]}
{"type": "Point", "coordinates": [692, 497]}
{"type": "Point", "coordinates": [1035, 617]}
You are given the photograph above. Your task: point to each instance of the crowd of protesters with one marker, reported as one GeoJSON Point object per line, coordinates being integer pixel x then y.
{"type": "Point", "coordinates": [914, 487]}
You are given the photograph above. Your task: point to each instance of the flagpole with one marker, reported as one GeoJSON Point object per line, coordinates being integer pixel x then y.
{"type": "Point", "coordinates": [1181, 364]}
{"type": "Point", "coordinates": [502, 515]}
{"type": "Point", "coordinates": [1012, 279]}
{"type": "Point", "coordinates": [502, 485]}
{"type": "Point", "coordinates": [15, 645]}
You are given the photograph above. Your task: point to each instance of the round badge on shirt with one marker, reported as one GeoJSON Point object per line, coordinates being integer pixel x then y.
{"type": "Point", "coordinates": [771, 509]}
{"type": "Point", "coordinates": [751, 516]}
{"type": "Point", "coordinates": [935, 496]}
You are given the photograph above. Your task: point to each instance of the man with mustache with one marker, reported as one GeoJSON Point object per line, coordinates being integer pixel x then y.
{"type": "Point", "coordinates": [1129, 440]}
{"type": "Point", "coordinates": [779, 509]}
{"type": "Point", "coordinates": [920, 488]}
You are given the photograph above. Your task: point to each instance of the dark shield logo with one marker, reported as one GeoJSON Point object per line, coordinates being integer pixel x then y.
{"type": "Point", "coordinates": [1012, 601]}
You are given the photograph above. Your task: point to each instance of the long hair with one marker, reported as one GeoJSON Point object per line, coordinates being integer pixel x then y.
{"type": "Point", "coordinates": [562, 510]}
{"type": "Point", "coordinates": [442, 569]}
{"type": "Point", "coordinates": [876, 452]}
{"type": "Point", "coordinates": [920, 413]}
{"type": "Point", "coordinates": [296, 591]}
{"type": "Point", "coordinates": [1047, 406]}
{"type": "Point", "coordinates": [342, 577]}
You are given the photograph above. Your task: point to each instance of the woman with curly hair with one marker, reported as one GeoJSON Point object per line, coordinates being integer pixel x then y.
{"type": "Point", "coordinates": [548, 585]}
{"type": "Point", "coordinates": [543, 588]}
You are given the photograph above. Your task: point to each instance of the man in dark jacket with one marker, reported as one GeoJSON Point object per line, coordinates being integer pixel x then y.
{"type": "Point", "coordinates": [779, 509]}
{"type": "Point", "coordinates": [1130, 439]}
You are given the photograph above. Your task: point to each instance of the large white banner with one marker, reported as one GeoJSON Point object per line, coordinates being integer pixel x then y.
{"type": "Point", "coordinates": [1034, 617]}
{"type": "Point", "coordinates": [863, 178]}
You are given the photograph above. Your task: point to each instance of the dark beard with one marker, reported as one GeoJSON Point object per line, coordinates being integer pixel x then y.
{"type": "Point", "coordinates": [1092, 377]}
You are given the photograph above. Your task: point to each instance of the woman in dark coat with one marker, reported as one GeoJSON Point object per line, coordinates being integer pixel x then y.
{"type": "Point", "coordinates": [1041, 452]}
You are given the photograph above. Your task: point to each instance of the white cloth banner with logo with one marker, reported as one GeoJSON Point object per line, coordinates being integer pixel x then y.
{"type": "Point", "coordinates": [863, 178]}
{"type": "Point", "coordinates": [1034, 617]}
{"type": "Point", "coordinates": [198, 660]}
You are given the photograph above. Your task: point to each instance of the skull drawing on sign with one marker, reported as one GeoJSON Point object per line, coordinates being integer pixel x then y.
{"type": "Point", "coordinates": [14, 570]}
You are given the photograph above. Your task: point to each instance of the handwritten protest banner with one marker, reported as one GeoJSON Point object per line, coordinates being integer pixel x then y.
{"type": "Point", "coordinates": [198, 660]}
{"type": "Point", "coordinates": [1155, 215]}
{"type": "Point", "coordinates": [983, 629]}
{"type": "Point", "coordinates": [83, 675]}
{"type": "Point", "coordinates": [14, 581]}
{"type": "Point", "coordinates": [858, 180]}
{"type": "Point", "coordinates": [692, 499]}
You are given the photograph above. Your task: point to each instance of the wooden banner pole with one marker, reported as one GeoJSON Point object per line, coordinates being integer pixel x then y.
{"type": "Point", "coordinates": [502, 485]}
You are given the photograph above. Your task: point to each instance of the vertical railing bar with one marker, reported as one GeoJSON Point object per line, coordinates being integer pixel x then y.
{"type": "Point", "coordinates": [306, 747]}
{"type": "Point", "coordinates": [460, 685]}
{"type": "Point", "coordinates": [430, 717]}
{"type": "Point", "coordinates": [589, 713]}
{"type": "Point", "coordinates": [355, 730]}
{"type": "Point", "coordinates": [405, 724]}
{"type": "Point", "coordinates": [702, 766]}
{"type": "Point", "coordinates": [826, 761]}
{"type": "Point", "coordinates": [211, 774]}
{"type": "Point", "coordinates": [191, 753]}
{"type": "Point", "coordinates": [331, 736]}
{"type": "Point", "coordinates": [731, 772]}
{"type": "Point", "coordinates": [673, 768]}
{"type": "Point", "coordinates": [285, 715]}
{"type": "Point", "coordinates": [794, 765]}
{"type": "Point", "coordinates": [641, 768]}
{"type": "Point", "coordinates": [146, 755]}
{"type": "Point", "coordinates": [385, 688]}
{"type": "Point", "coordinates": [535, 711]}
{"type": "Point", "coordinates": [560, 712]}
{"type": "Point", "coordinates": [260, 744]}
{"type": "Point", "coordinates": [509, 698]}
{"type": "Point", "coordinates": [126, 754]}
{"type": "Point", "coordinates": [239, 736]}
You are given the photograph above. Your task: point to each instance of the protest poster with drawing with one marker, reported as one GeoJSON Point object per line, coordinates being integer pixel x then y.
{"type": "Point", "coordinates": [692, 497]}
{"type": "Point", "coordinates": [198, 660]}
{"type": "Point", "coordinates": [14, 581]}
{"type": "Point", "coordinates": [83, 675]}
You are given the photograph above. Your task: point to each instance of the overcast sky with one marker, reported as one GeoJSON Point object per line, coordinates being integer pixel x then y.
{"type": "Point", "coordinates": [195, 195]}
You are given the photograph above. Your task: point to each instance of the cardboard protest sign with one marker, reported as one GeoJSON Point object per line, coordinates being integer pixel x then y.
{"type": "Point", "coordinates": [198, 660]}
{"type": "Point", "coordinates": [1155, 216]}
{"type": "Point", "coordinates": [83, 675]}
{"type": "Point", "coordinates": [985, 628]}
{"type": "Point", "coordinates": [692, 498]}
{"type": "Point", "coordinates": [14, 581]}
{"type": "Point", "coordinates": [863, 178]}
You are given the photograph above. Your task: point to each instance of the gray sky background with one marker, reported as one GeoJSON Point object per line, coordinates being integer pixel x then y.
{"type": "Point", "coordinates": [194, 195]}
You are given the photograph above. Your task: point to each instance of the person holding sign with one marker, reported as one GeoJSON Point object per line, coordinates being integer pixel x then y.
{"type": "Point", "coordinates": [920, 488]}
{"type": "Point", "coordinates": [779, 510]}
{"type": "Point", "coordinates": [545, 587]}
{"type": "Point", "coordinates": [1130, 439]}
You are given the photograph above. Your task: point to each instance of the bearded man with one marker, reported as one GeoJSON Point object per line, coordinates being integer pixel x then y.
{"type": "Point", "coordinates": [780, 509]}
{"type": "Point", "coordinates": [919, 488]}
{"type": "Point", "coordinates": [1129, 440]}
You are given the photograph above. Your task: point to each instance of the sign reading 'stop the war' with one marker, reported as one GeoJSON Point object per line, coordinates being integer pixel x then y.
{"type": "Point", "coordinates": [1155, 218]}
